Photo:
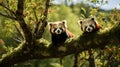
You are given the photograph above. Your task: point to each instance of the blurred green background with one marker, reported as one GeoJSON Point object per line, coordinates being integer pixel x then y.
{"type": "Point", "coordinates": [71, 12]}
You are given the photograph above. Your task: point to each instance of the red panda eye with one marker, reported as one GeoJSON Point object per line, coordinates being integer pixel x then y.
{"type": "Point", "coordinates": [61, 28]}
{"type": "Point", "coordinates": [55, 29]}
{"type": "Point", "coordinates": [91, 25]}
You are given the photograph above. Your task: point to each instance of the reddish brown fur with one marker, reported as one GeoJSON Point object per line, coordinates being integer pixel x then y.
{"type": "Point", "coordinates": [1, 42]}
{"type": "Point", "coordinates": [71, 35]}
{"type": "Point", "coordinates": [99, 26]}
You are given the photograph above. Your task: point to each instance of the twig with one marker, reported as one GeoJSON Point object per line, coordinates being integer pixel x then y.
{"type": "Point", "coordinates": [37, 22]}
{"type": "Point", "coordinates": [37, 27]}
{"type": "Point", "coordinates": [8, 3]}
{"type": "Point", "coordinates": [44, 22]}
{"type": "Point", "coordinates": [76, 59]}
{"type": "Point", "coordinates": [35, 14]}
{"type": "Point", "coordinates": [19, 40]}
{"type": "Point", "coordinates": [20, 32]}
{"type": "Point", "coordinates": [13, 18]}
{"type": "Point", "coordinates": [7, 8]}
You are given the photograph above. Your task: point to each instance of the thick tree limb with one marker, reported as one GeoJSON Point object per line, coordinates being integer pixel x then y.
{"type": "Point", "coordinates": [82, 43]}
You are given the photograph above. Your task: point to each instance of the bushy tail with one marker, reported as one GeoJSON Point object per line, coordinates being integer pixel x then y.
{"type": "Point", "coordinates": [70, 34]}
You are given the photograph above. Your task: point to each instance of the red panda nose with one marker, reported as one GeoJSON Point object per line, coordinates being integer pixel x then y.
{"type": "Point", "coordinates": [88, 29]}
{"type": "Point", "coordinates": [58, 31]}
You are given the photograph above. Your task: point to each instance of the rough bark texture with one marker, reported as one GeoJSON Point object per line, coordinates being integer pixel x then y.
{"type": "Point", "coordinates": [41, 51]}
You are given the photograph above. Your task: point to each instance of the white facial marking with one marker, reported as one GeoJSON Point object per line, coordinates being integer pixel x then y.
{"type": "Point", "coordinates": [89, 29]}
{"type": "Point", "coordinates": [58, 31]}
{"type": "Point", "coordinates": [93, 25]}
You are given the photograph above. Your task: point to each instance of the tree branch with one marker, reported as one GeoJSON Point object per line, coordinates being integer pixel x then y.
{"type": "Point", "coordinates": [44, 22]}
{"type": "Point", "coordinates": [7, 16]}
{"type": "Point", "coordinates": [79, 44]}
{"type": "Point", "coordinates": [1, 4]}
{"type": "Point", "coordinates": [34, 11]}
{"type": "Point", "coordinates": [37, 23]}
{"type": "Point", "coordinates": [21, 38]}
{"type": "Point", "coordinates": [20, 18]}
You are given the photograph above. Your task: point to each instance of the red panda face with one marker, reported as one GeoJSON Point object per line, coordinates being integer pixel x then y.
{"type": "Point", "coordinates": [57, 27]}
{"type": "Point", "coordinates": [88, 25]}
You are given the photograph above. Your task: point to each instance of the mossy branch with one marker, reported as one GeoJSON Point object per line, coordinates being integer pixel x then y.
{"type": "Point", "coordinates": [41, 50]}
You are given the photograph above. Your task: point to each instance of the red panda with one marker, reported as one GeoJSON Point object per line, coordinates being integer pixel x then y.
{"type": "Point", "coordinates": [89, 25]}
{"type": "Point", "coordinates": [59, 32]}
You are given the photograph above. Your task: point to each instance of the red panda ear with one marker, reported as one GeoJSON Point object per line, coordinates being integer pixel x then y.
{"type": "Point", "coordinates": [93, 19]}
{"type": "Point", "coordinates": [64, 21]}
{"type": "Point", "coordinates": [80, 22]}
{"type": "Point", "coordinates": [50, 24]}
